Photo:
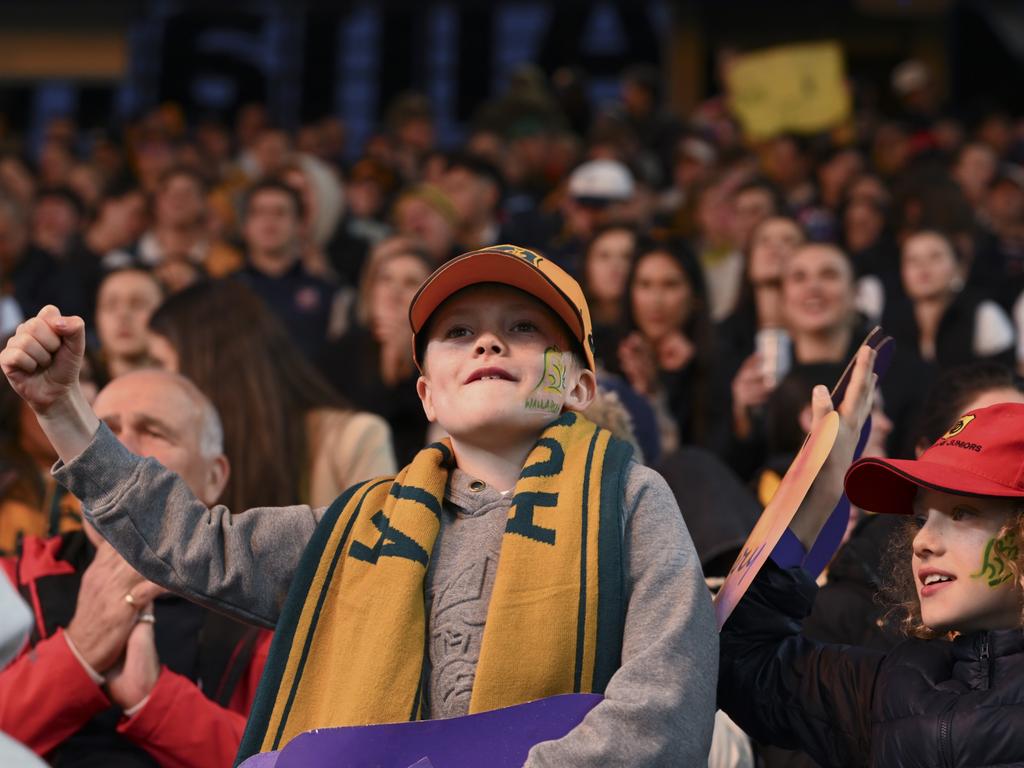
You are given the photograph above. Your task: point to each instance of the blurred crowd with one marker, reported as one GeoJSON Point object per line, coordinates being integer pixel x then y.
{"type": "Point", "coordinates": [682, 235]}
{"type": "Point", "coordinates": [725, 278]}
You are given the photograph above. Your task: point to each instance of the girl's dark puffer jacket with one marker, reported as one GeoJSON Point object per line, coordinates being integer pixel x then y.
{"type": "Point", "coordinates": [926, 703]}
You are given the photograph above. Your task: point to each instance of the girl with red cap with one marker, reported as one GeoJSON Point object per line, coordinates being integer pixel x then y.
{"type": "Point", "coordinates": [952, 694]}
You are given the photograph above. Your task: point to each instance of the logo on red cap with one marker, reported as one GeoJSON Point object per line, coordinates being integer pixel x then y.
{"type": "Point", "coordinates": [959, 427]}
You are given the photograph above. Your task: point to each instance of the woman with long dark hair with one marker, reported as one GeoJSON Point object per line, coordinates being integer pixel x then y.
{"type": "Point", "coordinates": [288, 434]}
{"type": "Point", "coordinates": [668, 355]}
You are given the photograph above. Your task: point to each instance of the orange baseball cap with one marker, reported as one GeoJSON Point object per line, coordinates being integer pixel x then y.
{"type": "Point", "coordinates": [507, 265]}
{"type": "Point", "coordinates": [981, 455]}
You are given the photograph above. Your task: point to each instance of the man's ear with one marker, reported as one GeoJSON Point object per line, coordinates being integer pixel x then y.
{"type": "Point", "coordinates": [426, 399]}
{"type": "Point", "coordinates": [581, 393]}
{"type": "Point", "coordinates": [217, 473]}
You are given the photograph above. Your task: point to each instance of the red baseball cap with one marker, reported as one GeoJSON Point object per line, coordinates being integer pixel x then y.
{"type": "Point", "coordinates": [510, 265]}
{"type": "Point", "coordinates": [981, 455]}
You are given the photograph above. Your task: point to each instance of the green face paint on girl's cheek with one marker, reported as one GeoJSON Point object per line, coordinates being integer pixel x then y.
{"type": "Point", "coordinates": [995, 560]}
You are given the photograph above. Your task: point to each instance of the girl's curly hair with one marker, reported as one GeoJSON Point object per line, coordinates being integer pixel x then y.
{"type": "Point", "coordinates": [898, 591]}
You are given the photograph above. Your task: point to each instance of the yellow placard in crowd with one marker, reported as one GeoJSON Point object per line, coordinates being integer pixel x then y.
{"type": "Point", "coordinates": [799, 88]}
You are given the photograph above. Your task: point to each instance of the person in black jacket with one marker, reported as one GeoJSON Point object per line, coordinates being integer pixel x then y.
{"type": "Point", "coordinates": [952, 694]}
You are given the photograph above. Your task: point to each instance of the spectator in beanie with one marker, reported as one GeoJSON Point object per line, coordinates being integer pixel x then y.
{"type": "Point", "coordinates": [426, 214]}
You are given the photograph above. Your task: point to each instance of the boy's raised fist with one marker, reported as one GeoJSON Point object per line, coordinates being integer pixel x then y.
{"type": "Point", "coordinates": [43, 358]}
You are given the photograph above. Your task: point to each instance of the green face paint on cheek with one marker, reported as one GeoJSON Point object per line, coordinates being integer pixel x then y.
{"type": "Point", "coordinates": [552, 380]}
{"type": "Point", "coordinates": [553, 377]}
{"type": "Point", "coordinates": [996, 558]}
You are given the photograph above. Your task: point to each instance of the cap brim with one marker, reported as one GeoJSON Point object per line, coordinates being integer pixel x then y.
{"type": "Point", "coordinates": [889, 486]}
{"type": "Point", "coordinates": [493, 267]}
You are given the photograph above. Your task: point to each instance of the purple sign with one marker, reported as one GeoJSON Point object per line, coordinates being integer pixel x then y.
{"type": "Point", "coordinates": [497, 739]}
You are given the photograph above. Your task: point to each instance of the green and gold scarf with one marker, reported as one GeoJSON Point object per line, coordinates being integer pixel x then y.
{"type": "Point", "coordinates": [350, 645]}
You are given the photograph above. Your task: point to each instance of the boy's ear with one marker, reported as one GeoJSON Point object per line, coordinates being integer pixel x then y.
{"type": "Point", "coordinates": [426, 399]}
{"type": "Point", "coordinates": [582, 393]}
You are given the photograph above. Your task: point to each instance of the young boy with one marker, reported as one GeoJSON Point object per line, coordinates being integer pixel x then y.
{"type": "Point", "coordinates": [401, 607]}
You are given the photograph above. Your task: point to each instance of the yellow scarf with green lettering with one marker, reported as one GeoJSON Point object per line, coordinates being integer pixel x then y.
{"type": "Point", "coordinates": [350, 645]}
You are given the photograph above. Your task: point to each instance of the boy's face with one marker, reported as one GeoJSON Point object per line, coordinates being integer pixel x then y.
{"type": "Point", "coordinates": [960, 563]}
{"type": "Point", "coordinates": [497, 367]}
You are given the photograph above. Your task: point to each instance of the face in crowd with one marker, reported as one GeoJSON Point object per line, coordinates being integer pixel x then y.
{"type": "Point", "coordinates": [473, 196]}
{"type": "Point", "coordinates": [162, 415]}
{"type": "Point", "coordinates": [180, 202]}
{"type": "Point", "coordinates": [394, 284]}
{"type": "Point", "coordinates": [124, 303]}
{"type": "Point", "coordinates": [421, 221]}
{"type": "Point", "coordinates": [817, 290]}
{"type": "Point", "coordinates": [929, 267]}
{"type": "Point", "coordinates": [608, 261]}
{"type": "Point", "coordinates": [773, 242]}
{"type": "Point", "coordinates": [662, 296]}
{"type": "Point", "coordinates": [272, 222]}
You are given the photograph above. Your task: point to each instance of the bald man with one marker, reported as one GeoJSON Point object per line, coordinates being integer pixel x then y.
{"type": "Point", "coordinates": [117, 674]}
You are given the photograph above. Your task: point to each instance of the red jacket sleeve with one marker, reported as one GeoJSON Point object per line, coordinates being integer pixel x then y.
{"type": "Point", "coordinates": [46, 696]}
{"type": "Point", "coordinates": [181, 728]}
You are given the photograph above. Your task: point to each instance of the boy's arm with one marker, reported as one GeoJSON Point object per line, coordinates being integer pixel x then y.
{"type": "Point", "coordinates": [42, 362]}
{"type": "Point", "coordinates": [659, 707]}
{"type": "Point", "coordinates": [238, 564]}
